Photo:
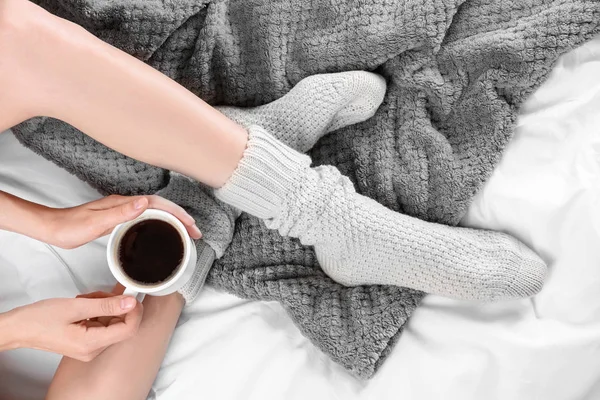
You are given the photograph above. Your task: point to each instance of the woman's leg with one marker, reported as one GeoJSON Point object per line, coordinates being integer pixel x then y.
{"type": "Point", "coordinates": [125, 370]}
{"type": "Point", "coordinates": [128, 106]}
{"type": "Point", "coordinates": [54, 68]}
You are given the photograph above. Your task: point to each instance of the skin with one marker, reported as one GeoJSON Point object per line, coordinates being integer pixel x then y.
{"type": "Point", "coordinates": [51, 67]}
{"type": "Point", "coordinates": [108, 340]}
{"type": "Point", "coordinates": [56, 324]}
{"type": "Point", "coordinates": [130, 365]}
{"type": "Point", "coordinates": [54, 68]}
{"type": "Point", "coordinates": [61, 326]}
{"type": "Point", "coordinates": [69, 228]}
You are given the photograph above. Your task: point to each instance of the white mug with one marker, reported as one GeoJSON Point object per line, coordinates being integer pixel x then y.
{"type": "Point", "coordinates": [182, 274]}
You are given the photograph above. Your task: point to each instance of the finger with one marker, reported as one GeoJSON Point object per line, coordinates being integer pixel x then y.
{"type": "Point", "coordinates": [160, 203]}
{"type": "Point", "coordinates": [117, 290]}
{"type": "Point", "coordinates": [156, 202]}
{"type": "Point", "coordinates": [92, 324]}
{"type": "Point", "coordinates": [194, 232]}
{"type": "Point", "coordinates": [106, 320]}
{"type": "Point", "coordinates": [179, 212]}
{"type": "Point", "coordinates": [94, 354]}
{"type": "Point", "coordinates": [109, 202]}
{"type": "Point", "coordinates": [114, 320]}
{"type": "Point", "coordinates": [117, 330]}
{"type": "Point", "coordinates": [102, 307]}
{"type": "Point", "coordinates": [88, 353]}
{"type": "Point", "coordinates": [106, 220]}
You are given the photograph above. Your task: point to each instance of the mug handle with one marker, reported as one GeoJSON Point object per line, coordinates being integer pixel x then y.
{"type": "Point", "coordinates": [138, 296]}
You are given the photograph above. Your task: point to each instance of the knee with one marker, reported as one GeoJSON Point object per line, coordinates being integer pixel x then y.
{"type": "Point", "coordinates": [13, 16]}
{"type": "Point", "coordinates": [19, 21]}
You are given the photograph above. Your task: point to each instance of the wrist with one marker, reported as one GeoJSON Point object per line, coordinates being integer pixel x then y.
{"type": "Point", "coordinates": [38, 222]}
{"type": "Point", "coordinates": [9, 327]}
{"type": "Point", "coordinates": [46, 223]}
{"type": "Point", "coordinates": [24, 217]}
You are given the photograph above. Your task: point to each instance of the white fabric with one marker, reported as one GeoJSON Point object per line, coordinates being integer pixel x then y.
{"type": "Point", "coordinates": [546, 191]}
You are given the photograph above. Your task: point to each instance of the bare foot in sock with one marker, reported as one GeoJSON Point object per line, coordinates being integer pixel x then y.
{"type": "Point", "coordinates": [316, 105]}
{"type": "Point", "coordinates": [358, 241]}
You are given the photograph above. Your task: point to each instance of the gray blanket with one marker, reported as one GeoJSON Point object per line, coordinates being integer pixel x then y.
{"type": "Point", "coordinates": [457, 73]}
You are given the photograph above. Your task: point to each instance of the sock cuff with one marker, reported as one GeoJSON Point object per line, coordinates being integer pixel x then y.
{"type": "Point", "coordinates": [204, 262]}
{"type": "Point", "coordinates": [266, 172]}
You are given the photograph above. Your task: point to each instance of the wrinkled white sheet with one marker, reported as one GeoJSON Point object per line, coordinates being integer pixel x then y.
{"type": "Point", "coordinates": [546, 191]}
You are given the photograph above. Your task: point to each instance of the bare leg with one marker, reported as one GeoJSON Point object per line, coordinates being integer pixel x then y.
{"type": "Point", "coordinates": [54, 68]}
{"type": "Point", "coordinates": [125, 370]}
{"type": "Point", "coordinates": [139, 112]}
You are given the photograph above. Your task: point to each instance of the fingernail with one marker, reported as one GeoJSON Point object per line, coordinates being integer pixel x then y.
{"type": "Point", "coordinates": [197, 230]}
{"type": "Point", "coordinates": [127, 303]}
{"type": "Point", "coordinates": [138, 204]}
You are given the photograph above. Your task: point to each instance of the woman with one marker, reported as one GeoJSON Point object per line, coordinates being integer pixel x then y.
{"type": "Point", "coordinates": [80, 328]}
{"type": "Point", "coordinates": [53, 325]}
{"type": "Point", "coordinates": [54, 68]}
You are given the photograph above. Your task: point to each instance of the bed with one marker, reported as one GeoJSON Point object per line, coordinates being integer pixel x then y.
{"type": "Point", "coordinates": [546, 191]}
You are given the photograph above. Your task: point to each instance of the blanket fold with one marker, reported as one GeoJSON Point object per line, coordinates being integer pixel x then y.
{"type": "Point", "coordinates": [457, 73]}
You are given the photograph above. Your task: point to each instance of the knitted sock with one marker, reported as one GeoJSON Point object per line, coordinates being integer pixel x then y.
{"type": "Point", "coordinates": [216, 219]}
{"type": "Point", "coordinates": [316, 105]}
{"type": "Point", "coordinates": [358, 241]}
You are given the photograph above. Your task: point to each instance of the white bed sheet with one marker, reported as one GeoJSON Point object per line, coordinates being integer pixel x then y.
{"type": "Point", "coordinates": [546, 191]}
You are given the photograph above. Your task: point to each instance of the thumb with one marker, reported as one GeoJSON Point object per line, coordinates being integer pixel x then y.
{"type": "Point", "coordinates": [111, 217]}
{"type": "Point", "coordinates": [104, 307]}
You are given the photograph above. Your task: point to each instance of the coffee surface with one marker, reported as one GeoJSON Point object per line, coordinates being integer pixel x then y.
{"type": "Point", "coordinates": [151, 251]}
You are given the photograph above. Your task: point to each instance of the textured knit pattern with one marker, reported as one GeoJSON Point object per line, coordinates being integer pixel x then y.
{"type": "Point", "coordinates": [317, 105]}
{"type": "Point", "coordinates": [457, 71]}
{"type": "Point", "coordinates": [360, 242]}
{"type": "Point", "coordinates": [217, 226]}
{"type": "Point", "coordinates": [205, 260]}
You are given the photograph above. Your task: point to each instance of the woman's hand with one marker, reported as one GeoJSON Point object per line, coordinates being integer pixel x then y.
{"type": "Point", "coordinates": [131, 365]}
{"type": "Point", "coordinates": [72, 227]}
{"type": "Point", "coordinates": [78, 328]}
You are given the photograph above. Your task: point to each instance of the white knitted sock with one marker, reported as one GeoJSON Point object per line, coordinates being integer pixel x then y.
{"type": "Point", "coordinates": [358, 241]}
{"type": "Point", "coordinates": [216, 218]}
{"type": "Point", "coordinates": [205, 260]}
{"type": "Point", "coordinates": [316, 105]}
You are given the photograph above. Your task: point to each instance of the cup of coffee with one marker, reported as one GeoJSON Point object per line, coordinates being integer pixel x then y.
{"type": "Point", "coordinates": [152, 254]}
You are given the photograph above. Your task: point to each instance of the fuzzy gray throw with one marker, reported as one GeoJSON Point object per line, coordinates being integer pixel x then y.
{"type": "Point", "coordinates": [457, 72]}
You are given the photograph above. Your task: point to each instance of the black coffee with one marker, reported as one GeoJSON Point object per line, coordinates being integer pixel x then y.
{"type": "Point", "coordinates": [151, 251]}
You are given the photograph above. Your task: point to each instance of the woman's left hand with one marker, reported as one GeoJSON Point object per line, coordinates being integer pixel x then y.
{"type": "Point", "coordinates": [72, 227]}
{"type": "Point", "coordinates": [79, 328]}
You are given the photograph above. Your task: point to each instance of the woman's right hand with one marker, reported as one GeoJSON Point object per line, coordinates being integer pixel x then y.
{"type": "Point", "coordinates": [70, 326]}
{"type": "Point", "coordinates": [72, 227]}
